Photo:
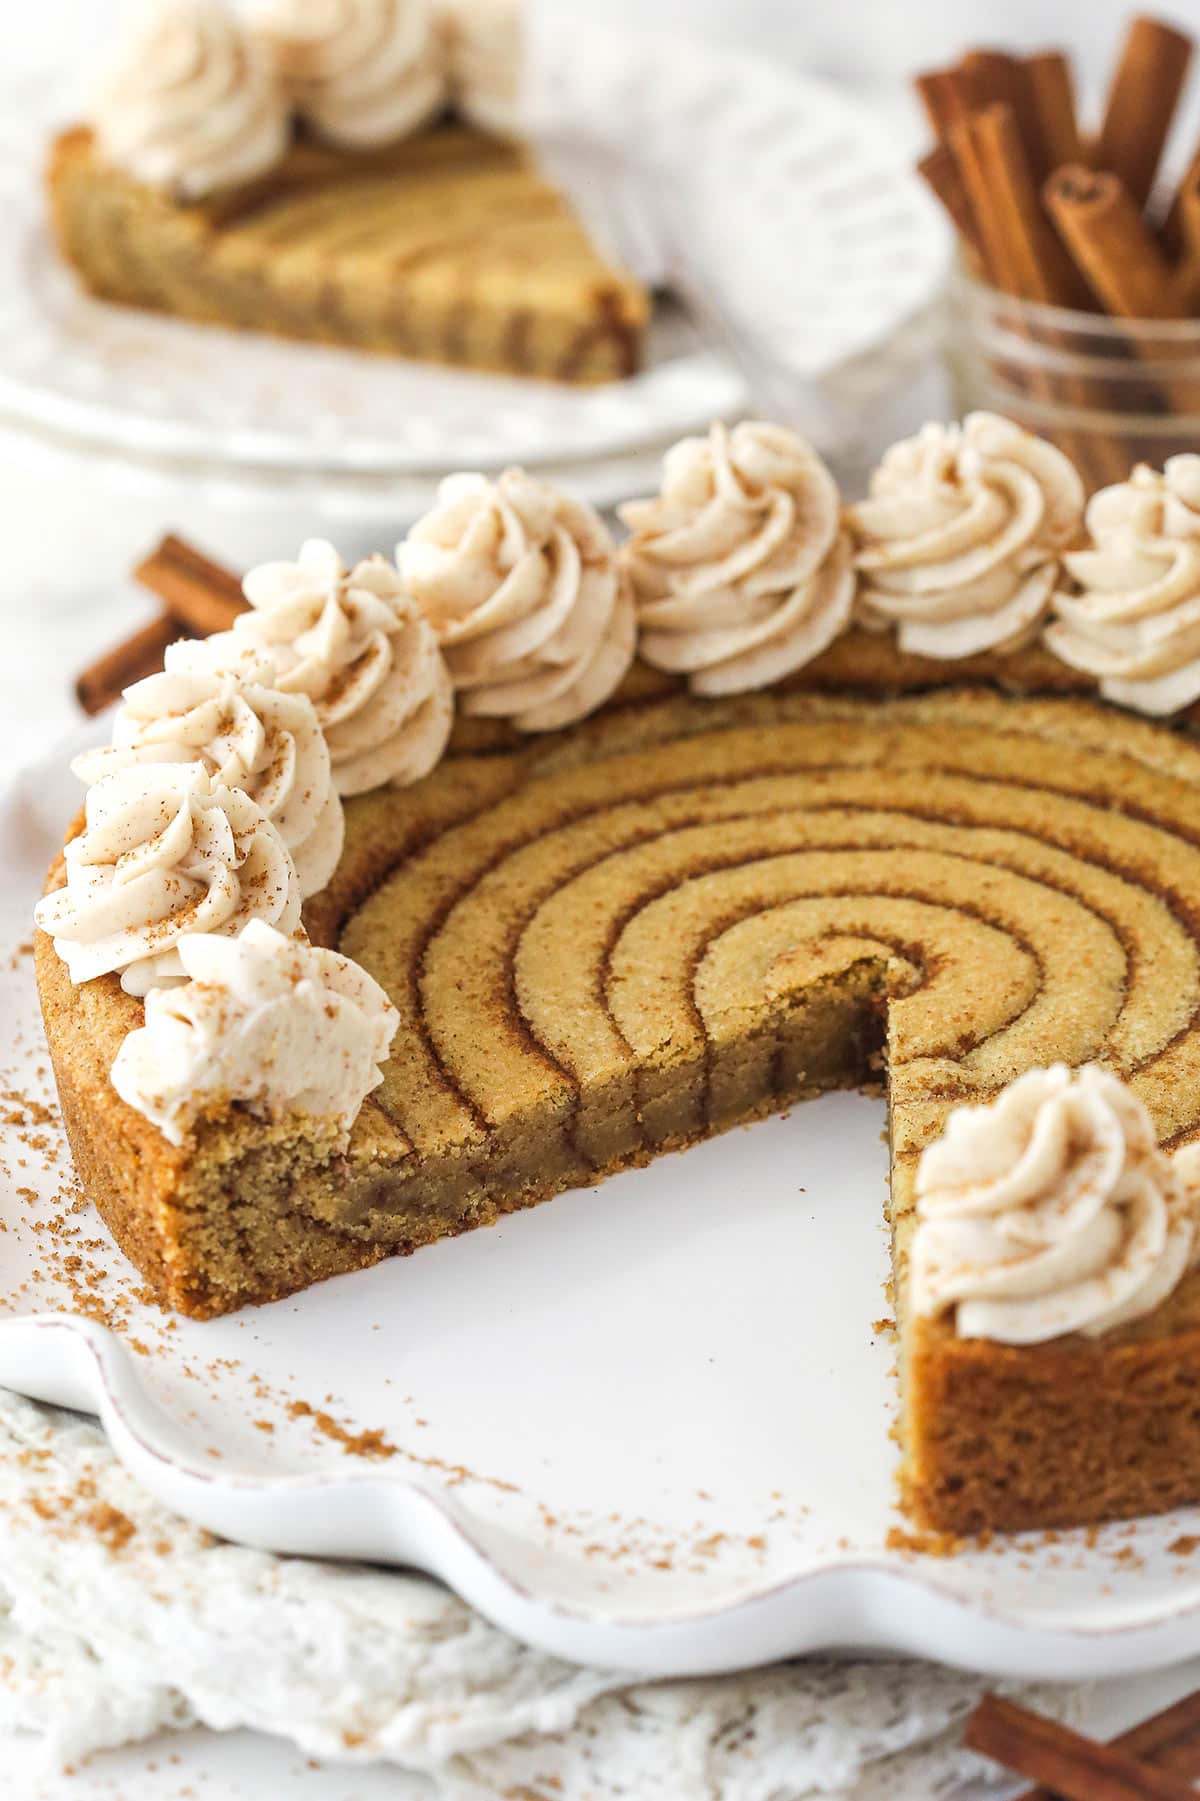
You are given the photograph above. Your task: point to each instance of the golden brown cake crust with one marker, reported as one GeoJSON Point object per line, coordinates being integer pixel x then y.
{"type": "Point", "coordinates": [610, 942]}
{"type": "Point", "coordinates": [447, 247]}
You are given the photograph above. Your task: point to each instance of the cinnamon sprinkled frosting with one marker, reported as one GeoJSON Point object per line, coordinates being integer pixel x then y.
{"type": "Point", "coordinates": [362, 73]}
{"type": "Point", "coordinates": [266, 1021]}
{"type": "Point", "coordinates": [960, 543]}
{"type": "Point", "coordinates": [739, 568]}
{"type": "Point", "coordinates": [1051, 1210]}
{"type": "Point", "coordinates": [165, 850]}
{"type": "Point", "coordinates": [522, 586]}
{"type": "Point", "coordinates": [354, 643]}
{"type": "Point", "coordinates": [1135, 623]}
{"type": "Point", "coordinates": [193, 103]}
{"type": "Point", "coordinates": [227, 712]}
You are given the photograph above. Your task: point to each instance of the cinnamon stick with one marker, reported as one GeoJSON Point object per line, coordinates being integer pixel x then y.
{"type": "Point", "coordinates": [201, 597]}
{"type": "Point", "coordinates": [1170, 1739]}
{"type": "Point", "coordinates": [1123, 262]}
{"type": "Point", "coordinates": [1048, 117]}
{"type": "Point", "coordinates": [941, 172]}
{"type": "Point", "coordinates": [1141, 104]}
{"type": "Point", "coordinates": [105, 680]}
{"type": "Point", "coordinates": [992, 78]}
{"type": "Point", "coordinates": [945, 96]}
{"type": "Point", "coordinates": [1172, 230]}
{"type": "Point", "coordinates": [199, 594]}
{"type": "Point", "coordinates": [1070, 1765]}
{"type": "Point", "coordinates": [1021, 253]}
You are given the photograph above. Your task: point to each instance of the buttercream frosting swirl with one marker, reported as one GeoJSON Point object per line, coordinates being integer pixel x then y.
{"type": "Point", "coordinates": [1051, 1210]}
{"type": "Point", "coordinates": [739, 569]}
{"type": "Point", "coordinates": [355, 644]}
{"type": "Point", "coordinates": [485, 51]}
{"type": "Point", "coordinates": [165, 850]}
{"type": "Point", "coordinates": [248, 734]}
{"type": "Point", "coordinates": [1135, 624]}
{"type": "Point", "coordinates": [362, 73]}
{"type": "Point", "coordinates": [522, 586]}
{"type": "Point", "coordinates": [192, 104]}
{"type": "Point", "coordinates": [960, 541]}
{"type": "Point", "coordinates": [264, 1020]}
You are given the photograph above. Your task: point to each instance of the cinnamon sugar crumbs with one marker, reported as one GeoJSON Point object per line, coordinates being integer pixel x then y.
{"type": "Point", "coordinates": [925, 1544]}
{"type": "Point", "coordinates": [1184, 1545]}
{"type": "Point", "coordinates": [355, 1444]}
{"type": "Point", "coordinates": [111, 1526]}
{"type": "Point", "coordinates": [374, 1445]}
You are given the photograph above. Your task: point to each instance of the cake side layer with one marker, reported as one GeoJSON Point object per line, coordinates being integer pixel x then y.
{"type": "Point", "coordinates": [1069, 1433]}
{"type": "Point", "coordinates": [252, 1212]}
{"type": "Point", "coordinates": [447, 247]}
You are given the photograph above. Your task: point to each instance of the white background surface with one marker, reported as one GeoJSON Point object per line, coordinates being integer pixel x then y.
{"type": "Point", "coordinates": [58, 609]}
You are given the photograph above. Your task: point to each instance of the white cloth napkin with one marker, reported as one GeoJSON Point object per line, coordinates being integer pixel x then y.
{"type": "Point", "coordinates": [780, 209]}
{"type": "Point", "coordinates": [119, 1620]}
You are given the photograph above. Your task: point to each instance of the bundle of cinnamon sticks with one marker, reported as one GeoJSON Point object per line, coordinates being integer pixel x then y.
{"type": "Point", "coordinates": [198, 597]}
{"type": "Point", "coordinates": [1049, 213]}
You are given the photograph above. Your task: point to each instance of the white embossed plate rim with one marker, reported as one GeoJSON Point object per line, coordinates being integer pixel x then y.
{"type": "Point", "coordinates": [645, 1425]}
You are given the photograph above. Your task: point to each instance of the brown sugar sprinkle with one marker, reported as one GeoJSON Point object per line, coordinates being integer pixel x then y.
{"type": "Point", "coordinates": [1184, 1545]}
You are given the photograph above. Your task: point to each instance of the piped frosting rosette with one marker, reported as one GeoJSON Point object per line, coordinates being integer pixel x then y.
{"type": "Point", "coordinates": [740, 571]}
{"type": "Point", "coordinates": [193, 104]}
{"type": "Point", "coordinates": [266, 1020]}
{"type": "Point", "coordinates": [362, 73]}
{"type": "Point", "coordinates": [522, 586]}
{"type": "Point", "coordinates": [165, 850]}
{"type": "Point", "coordinates": [227, 713]}
{"type": "Point", "coordinates": [485, 50]}
{"type": "Point", "coordinates": [1051, 1210]}
{"type": "Point", "coordinates": [1135, 622]}
{"type": "Point", "coordinates": [959, 544]}
{"type": "Point", "coordinates": [354, 643]}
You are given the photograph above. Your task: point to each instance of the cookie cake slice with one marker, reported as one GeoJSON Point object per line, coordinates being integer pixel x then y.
{"type": "Point", "coordinates": [316, 173]}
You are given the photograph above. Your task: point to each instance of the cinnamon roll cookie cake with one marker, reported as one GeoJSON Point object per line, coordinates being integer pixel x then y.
{"type": "Point", "coordinates": [442, 884]}
{"type": "Point", "coordinates": [344, 170]}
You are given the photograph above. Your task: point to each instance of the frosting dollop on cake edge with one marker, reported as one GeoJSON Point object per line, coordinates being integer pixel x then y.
{"type": "Point", "coordinates": [739, 568]}
{"type": "Point", "coordinates": [264, 1020]}
{"type": "Point", "coordinates": [192, 104]}
{"type": "Point", "coordinates": [1050, 1210]}
{"type": "Point", "coordinates": [355, 644]}
{"type": "Point", "coordinates": [960, 540]}
{"type": "Point", "coordinates": [1135, 623]}
{"type": "Point", "coordinates": [521, 584]}
{"type": "Point", "coordinates": [361, 73]}
{"type": "Point", "coordinates": [165, 851]}
{"type": "Point", "coordinates": [227, 713]}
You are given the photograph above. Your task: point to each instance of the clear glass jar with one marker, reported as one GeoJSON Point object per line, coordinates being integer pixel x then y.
{"type": "Point", "coordinates": [1109, 392]}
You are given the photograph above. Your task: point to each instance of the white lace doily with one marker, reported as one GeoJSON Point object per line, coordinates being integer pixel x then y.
{"type": "Point", "coordinates": [118, 1620]}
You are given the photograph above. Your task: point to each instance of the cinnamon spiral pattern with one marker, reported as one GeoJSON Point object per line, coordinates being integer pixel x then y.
{"type": "Point", "coordinates": [698, 910]}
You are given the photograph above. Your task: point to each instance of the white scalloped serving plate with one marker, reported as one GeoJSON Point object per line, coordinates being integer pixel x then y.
{"type": "Point", "coordinates": [645, 1425]}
